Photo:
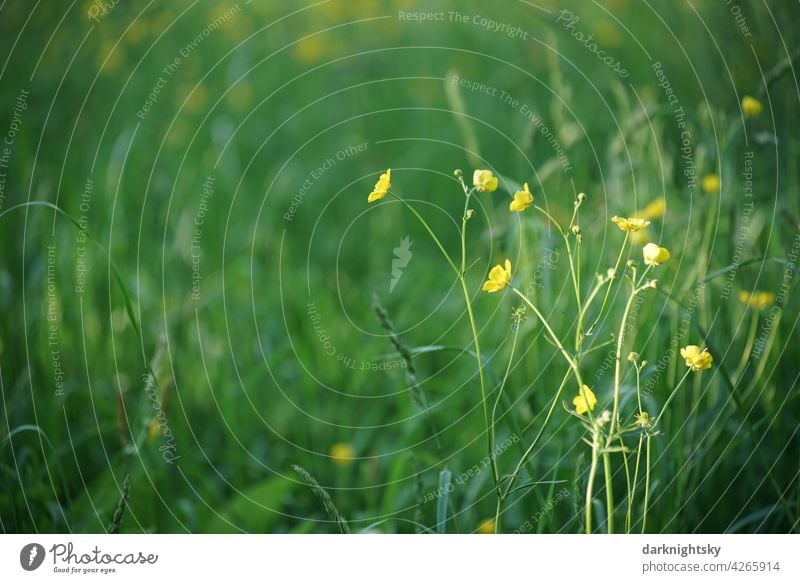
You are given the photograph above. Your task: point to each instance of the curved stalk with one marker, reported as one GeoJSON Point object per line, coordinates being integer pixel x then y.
{"type": "Point", "coordinates": [570, 360]}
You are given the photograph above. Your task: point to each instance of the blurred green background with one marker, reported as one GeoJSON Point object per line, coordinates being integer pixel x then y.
{"type": "Point", "coordinates": [221, 154]}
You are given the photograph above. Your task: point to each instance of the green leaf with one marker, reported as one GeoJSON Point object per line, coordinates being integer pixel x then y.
{"type": "Point", "coordinates": [441, 504]}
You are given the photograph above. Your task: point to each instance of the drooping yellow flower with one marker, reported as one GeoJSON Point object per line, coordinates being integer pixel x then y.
{"type": "Point", "coordinates": [486, 526]}
{"type": "Point", "coordinates": [757, 300]}
{"type": "Point", "coordinates": [696, 358]}
{"type": "Point", "coordinates": [711, 183]}
{"type": "Point", "coordinates": [631, 224]}
{"type": "Point", "coordinates": [484, 181]}
{"type": "Point", "coordinates": [654, 255]}
{"type": "Point", "coordinates": [654, 210]}
{"type": "Point", "coordinates": [499, 277]}
{"type": "Point", "coordinates": [342, 454]}
{"type": "Point", "coordinates": [523, 199]}
{"type": "Point", "coordinates": [585, 401]}
{"type": "Point", "coordinates": [381, 187]}
{"type": "Point", "coordinates": [751, 106]}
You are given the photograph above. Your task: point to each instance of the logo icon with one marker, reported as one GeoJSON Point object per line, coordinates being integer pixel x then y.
{"type": "Point", "coordinates": [402, 255]}
{"type": "Point", "coordinates": [31, 556]}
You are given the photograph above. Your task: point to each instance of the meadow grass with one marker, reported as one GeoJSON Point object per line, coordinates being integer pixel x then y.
{"type": "Point", "coordinates": [266, 369]}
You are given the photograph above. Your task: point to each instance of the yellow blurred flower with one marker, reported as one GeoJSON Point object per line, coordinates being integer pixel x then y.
{"type": "Point", "coordinates": [523, 199]}
{"type": "Point", "coordinates": [630, 225]}
{"type": "Point", "coordinates": [154, 429]}
{"type": "Point", "coordinates": [654, 210]}
{"type": "Point", "coordinates": [309, 50]}
{"type": "Point", "coordinates": [192, 99]}
{"type": "Point", "coordinates": [342, 454]}
{"type": "Point", "coordinates": [585, 401]}
{"type": "Point", "coordinates": [240, 96]}
{"type": "Point", "coordinates": [109, 57]}
{"type": "Point", "coordinates": [484, 181]}
{"type": "Point", "coordinates": [486, 526]}
{"type": "Point", "coordinates": [757, 300]}
{"type": "Point", "coordinates": [711, 183]}
{"type": "Point", "coordinates": [499, 277]}
{"type": "Point", "coordinates": [696, 358]}
{"type": "Point", "coordinates": [751, 106]}
{"type": "Point", "coordinates": [654, 255]}
{"type": "Point", "coordinates": [381, 187]}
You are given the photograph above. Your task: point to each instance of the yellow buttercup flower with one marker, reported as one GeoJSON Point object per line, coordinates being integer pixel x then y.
{"type": "Point", "coordinates": [654, 255]}
{"type": "Point", "coordinates": [484, 181]}
{"type": "Point", "coordinates": [486, 526]}
{"type": "Point", "coordinates": [711, 183]}
{"type": "Point", "coordinates": [696, 358]}
{"type": "Point", "coordinates": [585, 401]}
{"type": "Point", "coordinates": [757, 300]}
{"type": "Point", "coordinates": [342, 454]}
{"type": "Point", "coordinates": [631, 224]}
{"type": "Point", "coordinates": [499, 277]}
{"type": "Point", "coordinates": [654, 210]}
{"type": "Point", "coordinates": [751, 106]}
{"type": "Point", "coordinates": [381, 187]}
{"type": "Point", "coordinates": [523, 199]}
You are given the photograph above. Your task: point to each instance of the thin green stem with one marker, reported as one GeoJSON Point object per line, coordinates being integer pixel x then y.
{"type": "Point", "coordinates": [609, 493]}
{"type": "Point", "coordinates": [608, 290]}
{"type": "Point", "coordinates": [567, 356]}
{"type": "Point", "coordinates": [672, 396]}
{"type": "Point", "coordinates": [430, 232]}
{"type": "Point", "coordinates": [590, 483]}
{"type": "Point", "coordinates": [646, 485]}
{"type": "Point", "coordinates": [501, 498]}
{"type": "Point", "coordinates": [748, 347]}
{"type": "Point", "coordinates": [473, 326]}
{"type": "Point", "coordinates": [579, 336]}
{"type": "Point", "coordinates": [530, 449]}
{"type": "Point", "coordinates": [632, 497]}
